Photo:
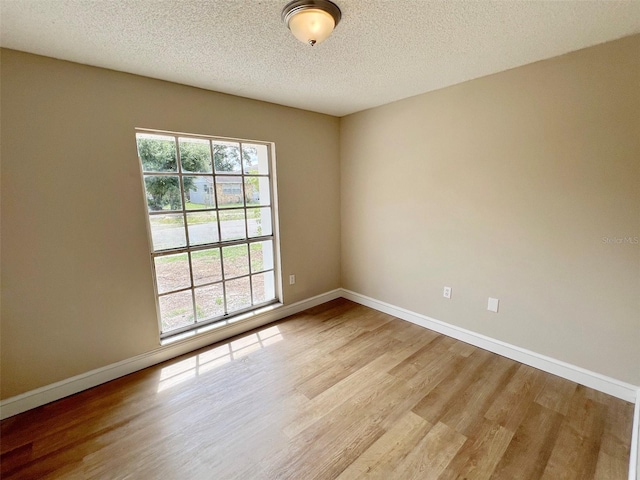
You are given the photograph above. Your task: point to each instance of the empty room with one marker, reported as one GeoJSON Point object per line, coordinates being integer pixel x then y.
{"type": "Point", "coordinates": [312, 239]}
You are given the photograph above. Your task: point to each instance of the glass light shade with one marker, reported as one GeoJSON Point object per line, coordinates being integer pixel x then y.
{"type": "Point", "coordinates": [312, 25]}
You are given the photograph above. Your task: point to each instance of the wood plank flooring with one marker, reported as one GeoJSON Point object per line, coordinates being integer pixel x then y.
{"type": "Point", "coordinates": [339, 391]}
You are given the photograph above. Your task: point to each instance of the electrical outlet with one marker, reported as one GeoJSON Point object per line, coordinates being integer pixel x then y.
{"type": "Point", "coordinates": [492, 305]}
{"type": "Point", "coordinates": [292, 279]}
{"type": "Point", "coordinates": [446, 292]}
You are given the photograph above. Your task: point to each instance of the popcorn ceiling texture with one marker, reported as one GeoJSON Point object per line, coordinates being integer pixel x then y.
{"type": "Point", "coordinates": [381, 51]}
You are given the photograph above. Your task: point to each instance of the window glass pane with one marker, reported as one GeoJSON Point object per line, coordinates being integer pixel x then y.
{"type": "Point", "coordinates": [263, 287]}
{"type": "Point", "coordinates": [172, 272]}
{"type": "Point", "coordinates": [235, 259]}
{"type": "Point", "coordinates": [203, 228]}
{"type": "Point", "coordinates": [256, 190]}
{"type": "Point", "coordinates": [176, 310]}
{"type": "Point", "coordinates": [226, 157]}
{"type": "Point", "coordinates": [238, 294]}
{"type": "Point", "coordinates": [195, 155]}
{"type": "Point", "coordinates": [205, 265]}
{"type": "Point", "coordinates": [209, 302]}
{"type": "Point", "coordinates": [229, 191]}
{"type": "Point", "coordinates": [157, 153]}
{"type": "Point", "coordinates": [163, 192]}
{"type": "Point", "coordinates": [261, 256]}
{"type": "Point", "coordinates": [167, 231]}
{"type": "Point", "coordinates": [198, 192]}
{"type": "Point", "coordinates": [232, 226]}
{"type": "Point", "coordinates": [255, 159]}
{"type": "Point", "coordinates": [259, 221]}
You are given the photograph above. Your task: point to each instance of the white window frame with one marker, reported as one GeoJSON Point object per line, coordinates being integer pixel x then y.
{"type": "Point", "coordinates": [274, 237]}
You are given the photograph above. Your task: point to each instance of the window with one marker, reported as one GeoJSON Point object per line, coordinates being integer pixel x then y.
{"type": "Point", "coordinates": [210, 210]}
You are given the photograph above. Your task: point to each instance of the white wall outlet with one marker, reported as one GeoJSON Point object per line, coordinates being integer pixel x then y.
{"type": "Point", "coordinates": [492, 306]}
{"type": "Point", "coordinates": [292, 279]}
{"type": "Point", "coordinates": [446, 293]}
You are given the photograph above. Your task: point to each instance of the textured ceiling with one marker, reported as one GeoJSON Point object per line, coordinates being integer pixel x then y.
{"type": "Point", "coordinates": [383, 50]}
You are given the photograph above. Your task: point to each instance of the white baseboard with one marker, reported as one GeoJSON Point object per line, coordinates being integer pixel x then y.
{"type": "Point", "coordinates": [634, 459]}
{"type": "Point", "coordinates": [55, 391]}
{"type": "Point", "coordinates": [49, 393]}
{"type": "Point", "coordinates": [594, 380]}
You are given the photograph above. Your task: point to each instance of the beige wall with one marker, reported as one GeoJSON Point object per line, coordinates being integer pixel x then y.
{"type": "Point", "coordinates": [76, 276]}
{"type": "Point", "coordinates": [505, 186]}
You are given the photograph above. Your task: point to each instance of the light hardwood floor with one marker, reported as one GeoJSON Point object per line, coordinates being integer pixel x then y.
{"type": "Point", "coordinates": [338, 391]}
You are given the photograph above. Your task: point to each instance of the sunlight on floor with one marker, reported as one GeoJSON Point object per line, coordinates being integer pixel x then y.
{"type": "Point", "coordinates": [211, 359]}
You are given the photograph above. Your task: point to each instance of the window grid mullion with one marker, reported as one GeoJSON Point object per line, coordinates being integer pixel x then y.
{"type": "Point", "coordinates": [215, 191]}
{"type": "Point", "coordinates": [218, 222]}
{"type": "Point", "coordinates": [224, 281]}
{"type": "Point", "coordinates": [250, 277]}
{"type": "Point", "coordinates": [171, 292]}
{"type": "Point", "coordinates": [208, 284]}
{"type": "Point", "coordinates": [246, 220]}
{"type": "Point", "coordinates": [186, 228]}
{"type": "Point", "coordinates": [207, 246]}
{"type": "Point", "coordinates": [160, 174]}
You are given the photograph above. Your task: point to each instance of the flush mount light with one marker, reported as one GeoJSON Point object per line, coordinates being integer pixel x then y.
{"type": "Point", "coordinates": [311, 21]}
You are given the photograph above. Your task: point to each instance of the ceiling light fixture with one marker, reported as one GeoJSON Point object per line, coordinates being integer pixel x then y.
{"type": "Point", "coordinates": [311, 21]}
